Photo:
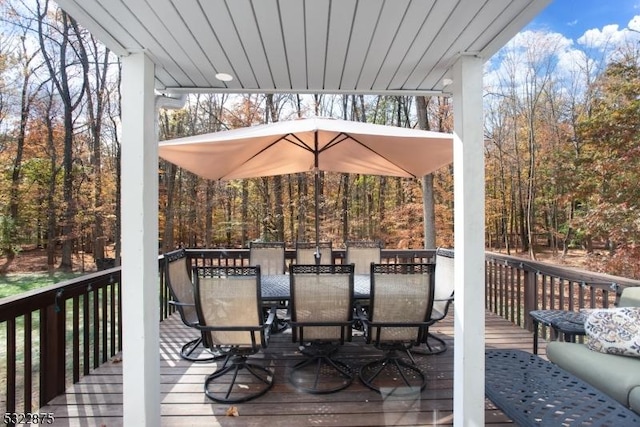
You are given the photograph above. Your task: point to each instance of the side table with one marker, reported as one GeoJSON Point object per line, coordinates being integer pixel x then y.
{"type": "Point", "coordinates": [568, 323]}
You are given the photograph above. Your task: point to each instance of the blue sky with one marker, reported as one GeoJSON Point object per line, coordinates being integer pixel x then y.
{"type": "Point", "coordinates": [569, 38]}
{"type": "Point", "coordinates": [574, 17]}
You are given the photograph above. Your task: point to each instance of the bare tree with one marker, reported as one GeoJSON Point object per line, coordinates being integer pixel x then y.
{"type": "Point", "coordinates": [59, 42]}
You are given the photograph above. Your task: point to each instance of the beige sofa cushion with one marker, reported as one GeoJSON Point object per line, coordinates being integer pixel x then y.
{"type": "Point", "coordinates": [630, 297]}
{"type": "Point", "coordinates": [614, 375]}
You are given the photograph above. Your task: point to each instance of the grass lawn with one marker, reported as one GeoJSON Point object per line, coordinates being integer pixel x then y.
{"type": "Point", "coordinates": [15, 283]}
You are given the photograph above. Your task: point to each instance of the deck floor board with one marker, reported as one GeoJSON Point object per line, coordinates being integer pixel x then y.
{"type": "Point", "coordinates": [97, 399]}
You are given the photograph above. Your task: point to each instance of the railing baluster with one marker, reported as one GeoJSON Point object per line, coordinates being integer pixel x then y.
{"type": "Point", "coordinates": [112, 320]}
{"type": "Point", "coordinates": [511, 293]}
{"type": "Point", "coordinates": [28, 354]}
{"type": "Point", "coordinates": [118, 286]}
{"type": "Point", "coordinates": [95, 341]}
{"type": "Point", "coordinates": [11, 365]}
{"type": "Point", "coordinates": [104, 317]}
{"type": "Point", "coordinates": [76, 339]}
{"type": "Point", "coordinates": [520, 296]}
{"type": "Point", "coordinates": [86, 332]}
{"type": "Point", "coordinates": [530, 296]}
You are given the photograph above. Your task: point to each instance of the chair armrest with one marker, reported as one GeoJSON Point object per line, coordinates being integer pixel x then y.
{"type": "Point", "coordinates": [181, 304]}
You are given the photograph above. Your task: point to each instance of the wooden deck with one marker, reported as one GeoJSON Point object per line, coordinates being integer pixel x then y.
{"type": "Point", "coordinates": [97, 399]}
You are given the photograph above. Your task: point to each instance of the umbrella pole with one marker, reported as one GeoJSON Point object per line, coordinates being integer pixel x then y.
{"type": "Point", "coordinates": [317, 196]}
{"type": "Point", "coordinates": [316, 185]}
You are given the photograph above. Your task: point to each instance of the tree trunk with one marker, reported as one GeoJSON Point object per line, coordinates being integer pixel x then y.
{"type": "Point", "coordinates": [428, 201]}
{"type": "Point", "coordinates": [344, 183]}
{"type": "Point", "coordinates": [208, 215]}
{"type": "Point", "coordinates": [245, 211]}
{"type": "Point", "coordinates": [168, 242]}
{"type": "Point", "coordinates": [96, 116]}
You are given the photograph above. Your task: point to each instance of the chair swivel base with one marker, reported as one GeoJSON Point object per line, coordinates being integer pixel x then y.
{"type": "Point", "coordinates": [431, 348]}
{"type": "Point", "coordinates": [195, 351]}
{"type": "Point", "coordinates": [392, 372]}
{"type": "Point", "coordinates": [224, 386]}
{"type": "Point", "coordinates": [319, 373]}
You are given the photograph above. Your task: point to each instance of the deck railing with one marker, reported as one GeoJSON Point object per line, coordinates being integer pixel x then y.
{"type": "Point", "coordinates": [515, 286]}
{"type": "Point", "coordinates": [51, 337]}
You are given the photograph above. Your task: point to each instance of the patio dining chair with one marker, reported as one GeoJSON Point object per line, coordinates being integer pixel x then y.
{"type": "Point", "coordinates": [400, 311]}
{"type": "Point", "coordinates": [269, 256]}
{"type": "Point", "coordinates": [362, 254]}
{"type": "Point", "coordinates": [182, 298]}
{"type": "Point", "coordinates": [229, 305]}
{"type": "Point", "coordinates": [442, 299]}
{"type": "Point", "coordinates": [314, 253]}
{"type": "Point", "coordinates": [321, 318]}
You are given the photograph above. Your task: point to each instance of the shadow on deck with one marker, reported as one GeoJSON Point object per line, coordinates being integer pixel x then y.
{"type": "Point", "coordinates": [97, 399]}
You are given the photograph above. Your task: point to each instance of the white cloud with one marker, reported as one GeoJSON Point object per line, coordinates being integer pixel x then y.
{"type": "Point", "coordinates": [570, 59]}
{"type": "Point", "coordinates": [634, 24]}
{"type": "Point", "coordinates": [605, 38]}
{"type": "Point", "coordinates": [531, 55]}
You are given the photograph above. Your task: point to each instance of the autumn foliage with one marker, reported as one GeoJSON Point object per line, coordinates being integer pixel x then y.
{"type": "Point", "coordinates": [562, 157]}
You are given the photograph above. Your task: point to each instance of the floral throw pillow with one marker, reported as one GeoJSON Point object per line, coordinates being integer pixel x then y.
{"type": "Point", "coordinates": [614, 331]}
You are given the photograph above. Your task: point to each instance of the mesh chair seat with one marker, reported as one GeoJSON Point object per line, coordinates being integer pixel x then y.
{"type": "Point", "coordinates": [401, 302]}
{"type": "Point", "coordinates": [229, 305]}
{"type": "Point", "coordinates": [321, 318]}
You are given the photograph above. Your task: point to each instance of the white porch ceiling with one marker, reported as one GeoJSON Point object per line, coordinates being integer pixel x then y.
{"type": "Point", "coordinates": [307, 46]}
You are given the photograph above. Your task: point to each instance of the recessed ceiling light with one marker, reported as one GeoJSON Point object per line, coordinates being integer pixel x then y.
{"type": "Point", "coordinates": [224, 77]}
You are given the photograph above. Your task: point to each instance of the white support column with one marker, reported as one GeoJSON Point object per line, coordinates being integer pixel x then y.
{"type": "Point", "coordinates": [140, 312]}
{"type": "Point", "coordinates": [468, 158]}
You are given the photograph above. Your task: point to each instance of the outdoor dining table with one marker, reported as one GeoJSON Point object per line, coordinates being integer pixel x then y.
{"type": "Point", "coordinates": [275, 287]}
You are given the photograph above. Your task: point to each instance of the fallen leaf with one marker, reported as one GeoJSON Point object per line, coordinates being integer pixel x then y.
{"type": "Point", "coordinates": [116, 359]}
{"type": "Point", "coordinates": [232, 411]}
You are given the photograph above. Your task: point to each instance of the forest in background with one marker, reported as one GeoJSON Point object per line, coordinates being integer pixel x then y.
{"type": "Point", "coordinates": [561, 154]}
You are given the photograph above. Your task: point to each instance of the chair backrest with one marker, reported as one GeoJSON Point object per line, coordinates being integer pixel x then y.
{"type": "Point", "coordinates": [306, 252]}
{"type": "Point", "coordinates": [268, 255]}
{"type": "Point", "coordinates": [180, 285]}
{"type": "Point", "coordinates": [444, 283]}
{"type": "Point", "coordinates": [362, 254]}
{"type": "Point", "coordinates": [401, 301]}
{"type": "Point", "coordinates": [630, 297]}
{"type": "Point", "coordinates": [321, 301]}
{"type": "Point", "coordinates": [229, 304]}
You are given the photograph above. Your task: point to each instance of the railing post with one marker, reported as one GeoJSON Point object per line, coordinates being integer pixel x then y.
{"type": "Point", "coordinates": [52, 351]}
{"type": "Point", "coordinates": [530, 297]}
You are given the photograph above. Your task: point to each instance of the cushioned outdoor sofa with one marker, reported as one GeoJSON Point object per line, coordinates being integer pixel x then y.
{"type": "Point", "coordinates": [610, 358]}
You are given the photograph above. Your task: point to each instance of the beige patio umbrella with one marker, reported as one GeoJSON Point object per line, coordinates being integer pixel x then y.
{"type": "Point", "coordinates": [311, 144]}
